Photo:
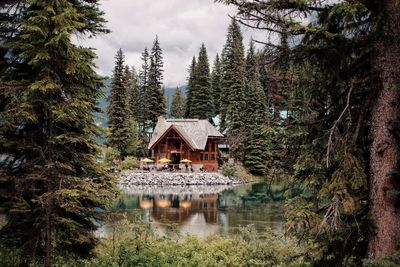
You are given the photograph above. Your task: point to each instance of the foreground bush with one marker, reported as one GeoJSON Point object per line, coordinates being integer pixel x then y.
{"type": "Point", "coordinates": [134, 245]}
{"type": "Point", "coordinates": [234, 170]}
{"type": "Point", "coordinates": [130, 163]}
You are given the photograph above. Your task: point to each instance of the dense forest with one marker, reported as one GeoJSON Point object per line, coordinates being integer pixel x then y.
{"type": "Point", "coordinates": [314, 105]}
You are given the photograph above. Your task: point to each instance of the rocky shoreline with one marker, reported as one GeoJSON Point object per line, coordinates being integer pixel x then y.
{"type": "Point", "coordinates": [171, 178]}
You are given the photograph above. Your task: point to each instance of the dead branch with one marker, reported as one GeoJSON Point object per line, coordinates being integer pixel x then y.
{"type": "Point", "coordinates": [335, 126]}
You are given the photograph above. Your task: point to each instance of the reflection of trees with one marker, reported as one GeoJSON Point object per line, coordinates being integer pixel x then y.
{"type": "Point", "coordinates": [253, 195]}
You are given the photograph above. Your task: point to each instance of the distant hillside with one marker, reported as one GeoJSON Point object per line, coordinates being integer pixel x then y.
{"type": "Point", "coordinates": [103, 102]}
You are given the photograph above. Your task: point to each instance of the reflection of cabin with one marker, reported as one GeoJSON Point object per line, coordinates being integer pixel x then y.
{"type": "Point", "coordinates": [178, 209]}
{"type": "Point", "coordinates": [193, 139]}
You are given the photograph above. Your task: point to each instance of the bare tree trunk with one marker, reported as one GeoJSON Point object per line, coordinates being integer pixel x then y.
{"type": "Point", "coordinates": [48, 256]}
{"type": "Point", "coordinates": [385, 237]}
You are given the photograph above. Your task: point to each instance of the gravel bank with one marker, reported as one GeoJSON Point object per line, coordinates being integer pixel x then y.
{"type": "Point", "coordinates": [166, 178]}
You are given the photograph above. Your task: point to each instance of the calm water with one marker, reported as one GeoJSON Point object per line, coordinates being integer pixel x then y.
{"type": "Point", "coordinates": [205, 210]}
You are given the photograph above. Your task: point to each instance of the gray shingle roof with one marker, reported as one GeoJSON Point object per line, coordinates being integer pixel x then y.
{"type": "Point", "coordinates": [194, 131]}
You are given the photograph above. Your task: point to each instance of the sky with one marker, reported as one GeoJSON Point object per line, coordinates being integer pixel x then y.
{"type": "Point", "coordinates": [181, 25]}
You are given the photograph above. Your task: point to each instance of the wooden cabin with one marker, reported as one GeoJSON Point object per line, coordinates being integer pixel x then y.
{"type": "Point", "coordinates": [193, 139]}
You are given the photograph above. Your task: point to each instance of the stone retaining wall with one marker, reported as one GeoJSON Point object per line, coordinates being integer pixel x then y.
{"type": "Point", "coordinates": [171, 178]}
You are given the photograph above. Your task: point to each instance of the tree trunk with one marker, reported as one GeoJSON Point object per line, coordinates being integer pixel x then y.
{"type": "Point", "coordinates": [385, 235]}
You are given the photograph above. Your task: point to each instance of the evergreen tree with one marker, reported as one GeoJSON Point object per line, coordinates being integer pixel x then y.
{"type": "Point", "coordinates": [132, 88]}
{"type": "Point", "coordinates": [201, 97]}
{"type": "Point", "coordinates": [118, 107]}
{"type": "Point", "coordinates": [154, 96]}
{"type": "Point", "coordinates": [342, 122]}
{"type": "Point", "coordinates": [254, 94]}
{"type": "Point", "coordinates": [255, 145]}
{"type": "Point", "coordinates": [190, 89]}
{"type": "Point", "coordinates": [178, 104]}
{"type": "Point", "coordinates": [256, 152]}
{"type": "Point", "coordinates": [54, 188]}
{"type": "Point", "coordinates": [216, 84]}
{"type": "Point", "coordinates": [232, 95]}
{"type": "Point", "coordinates": [134, 145]}
{"type": "Point", "coordinates": [143, 88]}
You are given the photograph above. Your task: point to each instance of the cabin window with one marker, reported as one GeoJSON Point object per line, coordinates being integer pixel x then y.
{"type": "Point", "coordinates": [162, 149]}
{"type": "Point", "coordinates": [206, 156]}
{"type": "Point", "coordinates": [212, 157]}
{"type": "Point", "coordinates": [212, 147]}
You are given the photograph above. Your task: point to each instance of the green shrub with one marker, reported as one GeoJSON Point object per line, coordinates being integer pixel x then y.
{"type": "Point", "coordinates": [229, 169]}
{"type": "Point", "coordinates": [111, 154]}
{"type": "Point", "coordinates": [130, 163]}
{"type": "Point", "coordinates": [133, 244]}
{"type": "Point", "coordinates": [236, 171]}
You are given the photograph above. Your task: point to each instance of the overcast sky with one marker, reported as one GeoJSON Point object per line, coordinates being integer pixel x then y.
{"type": "Point", "coordinates": [182, 25]}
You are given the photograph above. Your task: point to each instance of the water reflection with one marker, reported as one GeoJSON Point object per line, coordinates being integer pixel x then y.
{"type": "Point", "coordinates": [206, 210]}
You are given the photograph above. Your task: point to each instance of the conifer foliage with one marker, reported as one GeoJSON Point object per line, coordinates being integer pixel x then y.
{"type": "Point", "coordinates": [190, 89]}
{"type": "Point", "coordinates": [254, 119]}
{"type": "Point", "coordinates": [118, 107]}
{"type": "Point", "coordinates": [143, 87]}
{"type": "Point", "coordinates": [232, 102]}
{"type": "Point", "coordinates": [216, 84]}
{"type": "Point", "coordinates": [178, 104]}
{"type": "Point", "coordinates": [201, 97]}
{"type": "Point", "coordinates": [53, 187]}
{"type": "Point", "coordinates": [342, 121]}
{"type": "Point", "coordinates": [154, 95]}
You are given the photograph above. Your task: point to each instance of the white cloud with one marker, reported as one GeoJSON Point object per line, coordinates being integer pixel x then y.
{"type": "Point", "coordinates": [182, 25]}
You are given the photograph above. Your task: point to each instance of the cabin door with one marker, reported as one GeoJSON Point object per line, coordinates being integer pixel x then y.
{"type": "Point", "coordinates": [176, 158]}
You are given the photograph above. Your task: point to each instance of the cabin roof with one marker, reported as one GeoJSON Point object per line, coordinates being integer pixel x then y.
{"type": "Point", "coordinates": [194, 131]}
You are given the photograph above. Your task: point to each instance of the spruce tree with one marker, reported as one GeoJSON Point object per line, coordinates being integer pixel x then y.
{"type": "Point", "coordinates": [256, 152]}
{"type": "Point", "coordinates": [134, 143]}
{"type": "Point", "coordinates": [54, 188]}
{"type": "Point", "coordinates": [254, 95]}
{"type": "Point", "coordinates": [154, 96]}
{"type": "Point", "coordinates": [178, 104]}
{"type": "Point", "coordinates": [143, 87]}
{"type": "Point", "coordinates": [256, 149]}
{"type": "Point", "coordinates": [131, 82]}
{"type": "Point", "coordinates": [201, 97]}
{"type": "Point", "coordinates": [232, 95]}
{"type": "Point", "coordinates": [341, 131]}
{"type": "Point", "coordinates": [118, 108]}
{"type": "Point", "coordinates": [216, 84]}
{"type": "Point", "coordinates": [191, 80]}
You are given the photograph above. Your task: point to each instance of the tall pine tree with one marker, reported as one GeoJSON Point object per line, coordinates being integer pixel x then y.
{"type": "Point", "coordinates": [255, 145]}
{"type": "Point", "coordinates": [342, 66]}
{"type": "Point", "coordinates": [143, 87]}
{"type": "Point", "coordinates": [131, 83]}
{"type": "Point", "coordinates": [118, 107]}
{"type": "Point", "coordinates": [254, 95]}
{"type": "Point", "coordinates": [201, 97]}
{"type": "Point", "coordinates": [134, 145]}
{"type": "Point", "coordinates": [190, 89]}
{"type": "Point", "coordinates": [54, 188]}
{"type": "Point", "coordinates": [154, 95]}
{"type": "Point", "coordinates": [216, 84]}
{"type": "Point", "coordinates": [232, 94]}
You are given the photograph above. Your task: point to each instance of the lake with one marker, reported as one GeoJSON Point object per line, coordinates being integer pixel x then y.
{"type": "Point", "coordinates": [205, 210]}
